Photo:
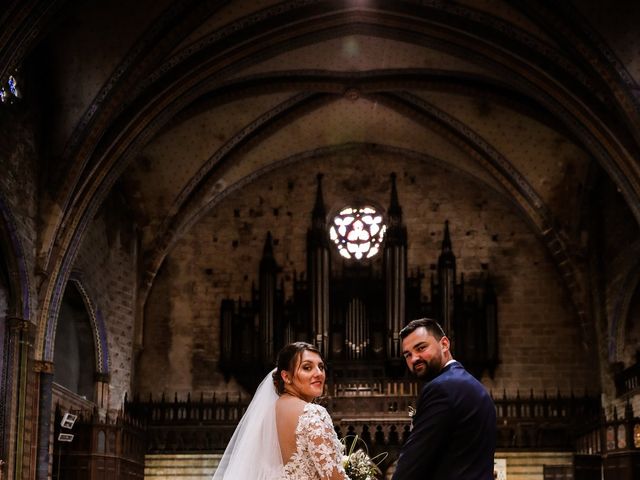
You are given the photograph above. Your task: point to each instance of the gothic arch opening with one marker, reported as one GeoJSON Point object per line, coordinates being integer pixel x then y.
{"type": "Point", "coordinates": [74, 355]}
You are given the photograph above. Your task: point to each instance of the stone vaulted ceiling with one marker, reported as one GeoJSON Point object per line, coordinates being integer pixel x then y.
{"type": "Point", "coordinates": [179, 103]}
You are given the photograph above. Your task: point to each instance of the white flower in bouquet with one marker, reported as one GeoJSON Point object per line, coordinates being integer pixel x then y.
{"type": "Point", "coordinates": [358, 465]}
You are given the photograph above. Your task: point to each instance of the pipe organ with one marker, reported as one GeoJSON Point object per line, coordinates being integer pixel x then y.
{"type": "Point", "coordinates": [353, 309]}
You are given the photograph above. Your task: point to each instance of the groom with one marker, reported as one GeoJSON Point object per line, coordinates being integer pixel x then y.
{"type": "Point", "coordinates": [454, 427]}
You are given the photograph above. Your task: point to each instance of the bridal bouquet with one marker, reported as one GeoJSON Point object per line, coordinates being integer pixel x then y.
{"type": "Point", "coordinates": [357, 463]}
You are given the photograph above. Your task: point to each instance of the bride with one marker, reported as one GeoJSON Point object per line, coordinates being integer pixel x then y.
{"type": "Point", "coordinates": [283, 435]}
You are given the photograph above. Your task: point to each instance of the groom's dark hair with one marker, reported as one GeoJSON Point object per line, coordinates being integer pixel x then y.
{"type": "Point", "coordinates": [288, 359]}
{"type": "Point", "coordinates": [429, 324]}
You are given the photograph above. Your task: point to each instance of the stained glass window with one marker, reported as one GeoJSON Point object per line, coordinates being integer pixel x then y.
{"type": "Point", "coordinates": [622, 437]}
{"type": "Point", "coordinates": [357, 232]}
{"type": "Point", "coordinates": [611, 438]}
{"type": "Point", "coordinates": [13, 86]}
{"type": "Point", "coordinates": [9, 90]}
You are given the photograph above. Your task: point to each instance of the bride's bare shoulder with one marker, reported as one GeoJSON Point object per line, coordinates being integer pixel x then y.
{"type": "Point", "coordinates": [288, 406]}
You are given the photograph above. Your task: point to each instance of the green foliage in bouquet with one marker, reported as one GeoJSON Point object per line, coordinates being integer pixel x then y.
{"type": "Point", "coordinates": [357, 463]}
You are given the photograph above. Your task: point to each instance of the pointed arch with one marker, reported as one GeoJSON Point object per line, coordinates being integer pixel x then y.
{"type": "Point", "coordinates": [191, 72]}
{"type": "Point", "coordinates": [98, 327]}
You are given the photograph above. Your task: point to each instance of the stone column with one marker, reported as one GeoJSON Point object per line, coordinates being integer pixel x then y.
{"type": "Point", "coordinates": [16, 356]}
{"type": "Point", "coordinates": [45, 404]}
{"type": "Point", "coordinates": [102, 390]}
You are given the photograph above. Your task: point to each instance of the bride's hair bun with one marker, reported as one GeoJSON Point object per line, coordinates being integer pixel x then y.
{"type": "Point", "coordinates": [277, 381]}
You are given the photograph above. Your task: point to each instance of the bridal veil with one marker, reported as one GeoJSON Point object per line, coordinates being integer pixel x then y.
{"type": "Point", "coordinates": [254, 449]}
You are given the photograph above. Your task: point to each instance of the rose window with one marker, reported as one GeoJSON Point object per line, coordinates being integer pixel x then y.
{"type": "Point", "coordinates": [357, 232]}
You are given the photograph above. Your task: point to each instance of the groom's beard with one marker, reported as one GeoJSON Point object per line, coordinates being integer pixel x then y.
{"type": "Point", "coordinates": [430, 370]}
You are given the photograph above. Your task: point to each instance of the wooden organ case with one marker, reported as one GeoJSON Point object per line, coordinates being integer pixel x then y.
{"type": "Point", "coordinates": [353, 310]}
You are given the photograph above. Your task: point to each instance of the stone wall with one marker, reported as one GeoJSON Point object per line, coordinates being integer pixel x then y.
{"type": "Point", "coordinates": [19, 182]}
{"type": "Point", "coordinates": [541, 345]}
{"type": "Point", "coordinates": [107, 262]}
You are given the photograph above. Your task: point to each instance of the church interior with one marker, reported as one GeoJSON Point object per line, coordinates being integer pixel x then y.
{"type": "Point", "coordinates": [188, 185]}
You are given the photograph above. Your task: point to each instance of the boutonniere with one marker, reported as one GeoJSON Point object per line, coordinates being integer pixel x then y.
{"type": "Point", "coordinates": [411, 412]}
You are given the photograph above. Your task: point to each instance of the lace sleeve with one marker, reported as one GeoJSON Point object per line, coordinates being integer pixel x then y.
{"type": "Point", "coordinates": [321, 442]}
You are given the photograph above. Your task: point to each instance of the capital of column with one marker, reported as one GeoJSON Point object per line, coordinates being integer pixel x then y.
{"type": "Point", "coordinates": [42, 366]}
{"type": "Point", "coordinates": [102, 377]}
{"type": "Point", "coordinates": [18, 325]}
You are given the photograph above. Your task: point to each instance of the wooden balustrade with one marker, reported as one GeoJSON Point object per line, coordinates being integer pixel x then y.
{"type": "Point", "coordinates": [204, 425]}
{"type": "Point", "coordinates": [367, 409]}
{"type": "Point", "coordinates": [543, 422]}
{"type": "Point", "coordinates": [616, 435]}
{"type": "Point", "coordinates": [609, 447]}
{"type": "Point", "coordinates": [215, 410]}
{"type": "Point", "coordinates": [99, 447]}
{"type": "Point", "coordinates": [366, 388]}
{"type": "Point", "coordinates": [376, 412]}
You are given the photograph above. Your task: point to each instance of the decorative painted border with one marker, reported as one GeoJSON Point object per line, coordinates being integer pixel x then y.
{"type": "Point", "coordinates": [98, 326]}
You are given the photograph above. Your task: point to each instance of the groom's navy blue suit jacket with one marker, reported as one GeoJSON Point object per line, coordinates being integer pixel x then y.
{"type": "Point", "coordinates": [454, 431]}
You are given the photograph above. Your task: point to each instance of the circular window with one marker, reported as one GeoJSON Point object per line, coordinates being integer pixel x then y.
{"type": "Point", "coordinates": [358, 232]}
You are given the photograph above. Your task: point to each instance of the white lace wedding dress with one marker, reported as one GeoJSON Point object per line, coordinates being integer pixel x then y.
{"type": "Point", "coordinates": [318, 451]}
{"type": "Point", "coordinates": [253, 453]}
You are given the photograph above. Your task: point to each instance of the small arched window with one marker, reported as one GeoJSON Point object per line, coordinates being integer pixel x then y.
{"type": "Point", "coordinates": [358, 232]}
{"type": "Point", "coordinates": [74, 354]}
